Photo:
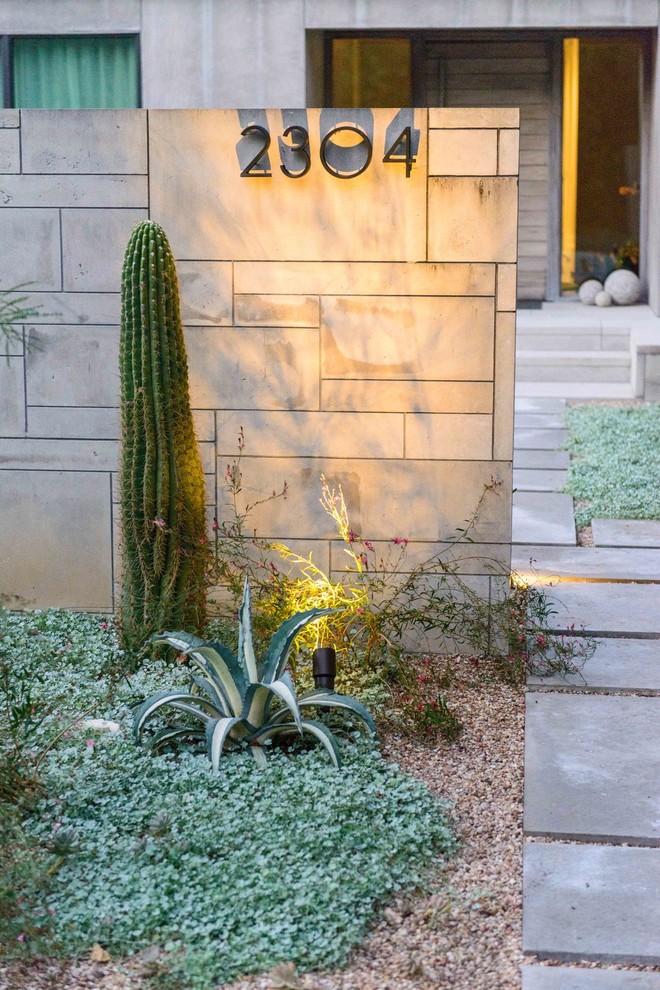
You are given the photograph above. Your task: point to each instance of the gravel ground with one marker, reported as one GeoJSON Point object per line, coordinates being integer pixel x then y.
{"type": "Point", "coordinates": [465, 933]}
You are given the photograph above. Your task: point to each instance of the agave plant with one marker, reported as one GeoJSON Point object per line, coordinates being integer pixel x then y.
{"type": "Point", "coordinates": [232, 694]}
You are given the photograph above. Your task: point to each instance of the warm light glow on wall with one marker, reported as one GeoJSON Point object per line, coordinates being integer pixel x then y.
{"type": "Point", "coordinates": [569, 172]}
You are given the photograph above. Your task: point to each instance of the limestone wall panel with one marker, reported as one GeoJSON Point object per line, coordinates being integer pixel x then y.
{"type": "Point", "coordinates": [55, 539]}
{"type": "Point", "coordinates": [253, 367]}
{"type": "Point", "coordinates": [73, 366]}
{"type": "Point", "coordinates": [364, 279]}
{"type": "Point", "coordinates": [12, 390]}
{"type": "Point", "coordinates": [473, 219]}
{"type": "Point", "coordinates": [314, 434]}
{"type": "Point", "coordinates": [10, 151]}
{"type": "Point", "coordinates": [407, 337]}
{"type": "Point", "coordinates": [193, 160]}
{"type": "Point", "coordinates": [71, 190]}
{"type": "Point", "coordinates": [106, 141]}
{"type": "Point", "coordinates": [205, 289]}
{"type": "Point", "coordinates": [414, 396]}
{"type": "Point", "coordinates": [30, 242]}
{"type": "Point", "coordinates": [419, 500]}
{"type": "Point", "coordinates": [93, 244]}
{"type": "Point", "coordinates": [449, 436]}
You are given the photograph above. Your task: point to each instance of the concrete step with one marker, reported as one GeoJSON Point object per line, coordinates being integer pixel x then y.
{"type": "Point", "coordinates": [626, 532]}
{"type": "Point", "coordinates": [592, 763]}
{"type": "Point", "coordinates": [580, 339]}
{"type": "Point", "coordinates": [538, 438]}
{"type": "Point", "coordinates": [573, 366]}
{"type": "Point", "coordinates": [631, 665]}
{"type": "Point", "coordinates": [538, 391]}
{"type": "Point", "coordinates": [543, 518]}
{"type": "Point", "coordinates": [552, 565]}
{"type": "Point", "coordinates": [535, 977]}
{"type": "Point", "coordinates": [539, 480]}
{"type": "Point", "coordinates": [606, 609]}
{"type": "Point", "coordinates": [592, 902]}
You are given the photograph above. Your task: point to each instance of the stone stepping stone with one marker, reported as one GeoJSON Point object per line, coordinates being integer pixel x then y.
{"type": "Point", "coordinates": [539, 439]}
{"type": "Point", "coordinates": [543, 517]}
{"type": "Point", "coordinates": [592, 768]}
{"type": "Point", "coordinates": [591, 902]}
{"type": "Point", "coordinates": [626, 532]}
{"type": "Point", "coordinates": [528, 404]}
{"type": "Point", "coordinates": [617, 665]}
{"type": "Point", "coordinates": [586, 563]}
{"type": "Point", "coordinates": [544, 460]}
{"type": "Point", "coordinates": [602, 608]}
{"type": "Point", "coordinates": [538, 480]}
{"type": "Point", "coordinates": [572, 978]}
{"type": "Point", "coordinates": [542, 421]}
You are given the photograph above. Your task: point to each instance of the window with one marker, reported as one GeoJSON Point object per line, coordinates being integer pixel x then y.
{"type": "Point", "coordinates": [71, 71]}
{"type": "Point", "coordinates": [370, 72]}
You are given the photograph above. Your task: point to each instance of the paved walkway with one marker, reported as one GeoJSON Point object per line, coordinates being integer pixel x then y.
{"type": "Point", "coordinates": [592, 764]}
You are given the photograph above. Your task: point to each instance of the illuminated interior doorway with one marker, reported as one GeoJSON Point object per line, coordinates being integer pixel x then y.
{"type": "Point", "coordinates": [600, 157]}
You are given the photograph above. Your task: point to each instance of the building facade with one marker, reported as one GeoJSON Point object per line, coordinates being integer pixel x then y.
{"type": "Point", "coordinates": [582, 72]}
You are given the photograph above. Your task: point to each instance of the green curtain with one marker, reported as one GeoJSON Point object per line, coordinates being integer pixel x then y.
{"type": "Point", "coordinates": [75, 72]}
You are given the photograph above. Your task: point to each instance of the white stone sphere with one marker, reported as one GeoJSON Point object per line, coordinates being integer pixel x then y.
{"type": "Point", "coordinates": [623, 286]}
{"type": "Point", "coordinates": [589, 290]}
{"type": "Point", "coordinates": [603, 299]}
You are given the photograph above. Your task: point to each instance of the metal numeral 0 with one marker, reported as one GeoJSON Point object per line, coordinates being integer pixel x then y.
{"type": "Point", "coordinates": [344, 163]}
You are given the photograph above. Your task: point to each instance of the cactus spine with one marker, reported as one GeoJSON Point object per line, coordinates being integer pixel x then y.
{"type": "Point", "coordinates": [162, 483]}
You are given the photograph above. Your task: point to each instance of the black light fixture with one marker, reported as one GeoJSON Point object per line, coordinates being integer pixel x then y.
{"type": "Point", "coordinates": [324, 667]}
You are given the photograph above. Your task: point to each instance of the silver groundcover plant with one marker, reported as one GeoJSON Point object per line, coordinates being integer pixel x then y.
{"type": "Point", "coordinates": [232, 694]}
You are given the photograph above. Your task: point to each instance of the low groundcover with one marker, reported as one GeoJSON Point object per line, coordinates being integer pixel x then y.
{"type": "Point", "coordinates": [228, 872]}
{"type": "Point", "coordinates": [615, 469]}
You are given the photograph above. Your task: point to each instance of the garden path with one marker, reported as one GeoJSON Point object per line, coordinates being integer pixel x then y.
{"type": "Point", "coordinates": [591, 914]}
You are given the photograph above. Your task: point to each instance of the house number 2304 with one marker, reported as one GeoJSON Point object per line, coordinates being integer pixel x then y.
{"type": "Point", "coordinates": [346, 143]}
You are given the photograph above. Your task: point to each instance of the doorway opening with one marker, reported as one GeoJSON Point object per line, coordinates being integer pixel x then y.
{"type": "Point", "coordinates": [600, 157]}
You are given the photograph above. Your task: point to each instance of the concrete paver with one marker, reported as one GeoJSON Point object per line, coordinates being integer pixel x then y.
{"type": "Point", "coordinates": [544, 460]}
{"type": "Point", "coordinates": [535, 404]}
{"type": "Point", "coordinates": [543, 517]}
{"type": "Point", "coordinates": [627, 609]}
{"type": "Point", "coordinates": [583, 901]}
{"type": "Point", "coordinates": [538, 480]}
{"type": "Point", "coordinates": [592, 767]}
{"type": "Point", "coordinates": [617, 665]}
{"type": "Point", "coordinates": [574, 978]}
{"type": "Point", "coordinates": [626, 532]}
{"type": "Point", "coordinates": [586, 563]}
{"type": "Point", "coordinates": [539, 439]}
{"type": "Point", "coordinates": [539, 420]}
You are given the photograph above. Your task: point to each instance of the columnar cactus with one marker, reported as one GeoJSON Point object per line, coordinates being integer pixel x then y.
{"type": "Point", "coordinates": [162, 483]}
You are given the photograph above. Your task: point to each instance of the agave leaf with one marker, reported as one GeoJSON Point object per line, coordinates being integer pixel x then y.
{"type": "Point", "coordinates": [163, 736]}
{"type": "Point", "coordinates": [259, 755]}
{"type": "Point", "coordinates": [277, 653]}
{"type": "Point", "coordinates": [285, 691]}
{"type": "Point", "coordinates": [322, 698]}
{"type": "Point", "coordinates": [216, 693]}
{"type": "Point", "coordinates": [217, 731]}
{"type": "Point", "coordinates": [271, 731]}
{"type": "Point", "coordinates": [180, 641]}
{"type": "Point", "coordinates": [230, 659]}
{"type": "Point", "coordinates": [246, 654]}
{"type": "Point", "coordinates": [175, 697]}
{"type": "Point", "coordinates": [222, 676]}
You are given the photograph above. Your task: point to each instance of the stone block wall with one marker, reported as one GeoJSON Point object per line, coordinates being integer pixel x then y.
{"type": "Point", "coordinates": [358, 327]}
